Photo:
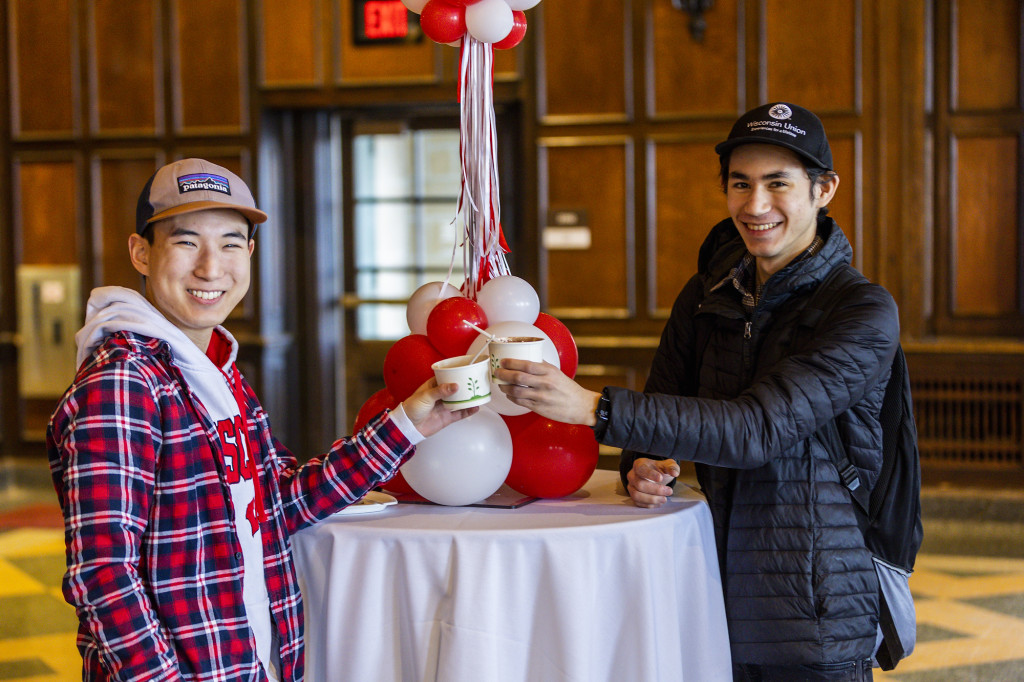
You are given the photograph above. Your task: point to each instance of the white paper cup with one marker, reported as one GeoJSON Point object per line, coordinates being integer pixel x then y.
{"type": "Point", "coordinates": [474, 381]}
{"type": "Point", "coordinates": [519, 347]}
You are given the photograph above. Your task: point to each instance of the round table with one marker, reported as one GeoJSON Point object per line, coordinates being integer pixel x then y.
{"type": "Point", "coordinates": [583, 588]}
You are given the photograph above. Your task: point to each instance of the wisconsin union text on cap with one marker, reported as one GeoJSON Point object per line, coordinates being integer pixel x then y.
{"type": "Point", "coordinates": [193, 185]}
{"type": "Point", "coordinates": [783, 124]}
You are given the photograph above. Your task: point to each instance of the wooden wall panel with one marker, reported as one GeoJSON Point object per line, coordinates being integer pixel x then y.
{"type": "Point", "coordinates": [595, 177]}
{"type": "Point", "coordinates": [292, 36]}
{"type": "Point", "coordinates": [47, 212]}
{"type": "Point", "coordinates": [986, 242]}
{"type": "Point", "coordinates": [507, 62]}
{"type": "Point", "coordinates": [116, 181]}
{"type": "Point", "coordinates": [846, 205]}
{"type": "Point", "coordinates": [987, 49]}
{"type": "Point", "coordinates": [125, 74]}
{"type": "Point", "coordinates": [596, 377]}
{"type": "Point", "coordinates": [687, 78]}
{"type": "Point", "coordinates": [584, 66]}
{"type": "Point", "coordinates": [812, 53]}
{"type": "Point", "coordinates": [415, 62]}
{"type": "Point", "coordinates": [978, 127]}
{"type": "Point", "coordinates": [44, 68]}
{"type": "Point", "coordinates": [210, 79]}
{"type": "Point", "coordinates": [684, 201]}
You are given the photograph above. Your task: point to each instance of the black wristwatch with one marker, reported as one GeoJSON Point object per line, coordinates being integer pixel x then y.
{"type": "Point", "coordinates": [603, 414]}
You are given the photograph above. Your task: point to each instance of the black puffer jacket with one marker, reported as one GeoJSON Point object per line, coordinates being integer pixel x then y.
{"type": "Point", "coordinates": [799, 584]}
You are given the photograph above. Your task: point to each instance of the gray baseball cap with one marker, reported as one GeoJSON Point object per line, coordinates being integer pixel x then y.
{"type": "Point", "coordinates": [193, 185]}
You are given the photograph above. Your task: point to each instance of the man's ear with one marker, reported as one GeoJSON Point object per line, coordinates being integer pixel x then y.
{"type": "Point", "coordinates": [138, 251]}
{"type": "Point", "coordinates": [827, 189]}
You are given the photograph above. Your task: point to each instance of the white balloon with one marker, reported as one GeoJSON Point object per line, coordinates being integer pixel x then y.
{"type": "Point", "coordinates": [489, 20]}
{"type": "Point", "coordinates": [501, 404]}
{"type": "Point", "coordinates": [462, 463]}
{"type": "Point", "coordinates": [509, 298]}
{"type": "Point", "coordinates": [416, 6]}
{"type": "Point", "coordinates": [522, 5]}
{"type": "Point", "coordinates": [423, 301]}
{"type": "Point", "coordinates": [499, 401]}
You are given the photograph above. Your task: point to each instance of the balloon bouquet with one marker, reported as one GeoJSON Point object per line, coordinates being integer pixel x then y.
{"type": "Point", "coordinates": [500, 23]}
{"type": "Point", "coordinates": [503, 443]}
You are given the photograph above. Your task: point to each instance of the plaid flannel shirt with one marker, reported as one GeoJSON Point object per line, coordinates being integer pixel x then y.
{"type": "Point", "coordinates": [154, 565]}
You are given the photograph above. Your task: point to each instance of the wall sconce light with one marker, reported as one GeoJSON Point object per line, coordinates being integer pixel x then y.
{"type": "Point", "coordinates": [696, 9]}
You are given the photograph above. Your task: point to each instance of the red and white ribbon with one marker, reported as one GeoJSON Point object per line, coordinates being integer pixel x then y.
{"type": "Point", "coordinates": [483, 244]}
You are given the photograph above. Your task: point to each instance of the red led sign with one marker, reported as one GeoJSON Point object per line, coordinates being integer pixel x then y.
{"type": "Point", "coordinates": [384, 21]}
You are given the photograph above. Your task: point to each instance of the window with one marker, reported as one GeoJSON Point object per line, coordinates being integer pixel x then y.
{"type": "Point", "coordinates": [406, 197]}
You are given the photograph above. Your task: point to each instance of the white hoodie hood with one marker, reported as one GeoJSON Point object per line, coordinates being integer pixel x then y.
{"type": "Point", "coordinates": [115, 309]}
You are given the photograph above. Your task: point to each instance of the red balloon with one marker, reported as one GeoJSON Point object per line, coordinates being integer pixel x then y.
{"type": "Point", "coordinates": [374, 405]}
{"type": "Point", "coordinates": [447, 328]}
{"type": "Point", "coordinates": [568, 355]}
{"type": "Point", "coordinates": [552, 459]}
{"type": "Point", "coordinates": [407, 365]}
{"type": "Point", "coordinates": [518, 422]}
{"type": "Point", "coordinates": [515, 36]}
{"type": "Point", "coordinates": [443, 22]}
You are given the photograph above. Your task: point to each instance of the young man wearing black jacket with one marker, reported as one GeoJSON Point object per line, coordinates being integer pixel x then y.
{"type": "Point", "coordinates": [729, 391]}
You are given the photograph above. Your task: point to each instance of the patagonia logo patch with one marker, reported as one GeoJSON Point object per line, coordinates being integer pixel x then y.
{"type": "Point", "coordinates": [195, 182]}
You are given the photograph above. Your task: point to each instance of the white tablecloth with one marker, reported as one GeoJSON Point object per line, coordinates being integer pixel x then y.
{"type": "Point", "coordinates": [585, 588]}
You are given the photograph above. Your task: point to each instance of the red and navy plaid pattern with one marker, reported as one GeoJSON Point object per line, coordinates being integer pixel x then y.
{"type": "Point", "coordinates": [154, 566]}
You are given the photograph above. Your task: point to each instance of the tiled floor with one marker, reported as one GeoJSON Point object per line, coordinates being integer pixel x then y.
{"type": "Point", "coordinates": [969, 589]}
{"type": "Point", "coordinates": [970, 613]}
{"type": "Point", "coordinates": [37, 629]}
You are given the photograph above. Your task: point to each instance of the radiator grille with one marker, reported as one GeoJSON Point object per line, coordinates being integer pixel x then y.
{"type": "Point", "coordinates": [969, 421]}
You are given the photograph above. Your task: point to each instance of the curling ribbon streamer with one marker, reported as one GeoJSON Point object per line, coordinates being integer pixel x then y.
{"type": "Point", "coordinates": [483, 246]}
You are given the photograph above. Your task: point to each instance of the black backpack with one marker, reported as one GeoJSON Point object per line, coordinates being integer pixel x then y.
{"type": "Point", "coordinates": [890, 517]}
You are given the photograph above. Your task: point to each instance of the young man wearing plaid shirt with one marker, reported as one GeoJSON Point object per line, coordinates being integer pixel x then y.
{"type": "Point", "coordinates": [178, 501]}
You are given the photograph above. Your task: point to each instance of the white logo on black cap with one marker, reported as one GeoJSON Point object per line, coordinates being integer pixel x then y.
{"type": "Point", "coordinates": [780, 112]}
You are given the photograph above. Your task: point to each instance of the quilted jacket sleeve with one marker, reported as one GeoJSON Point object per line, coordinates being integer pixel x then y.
{"type": "Point", "coordinates": [785, 405]}
{"type": "Point", "coordinates": [673, 368]}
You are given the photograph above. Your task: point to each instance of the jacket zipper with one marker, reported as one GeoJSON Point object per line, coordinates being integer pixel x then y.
{"type": "Point", "coordinates": [747, 354]}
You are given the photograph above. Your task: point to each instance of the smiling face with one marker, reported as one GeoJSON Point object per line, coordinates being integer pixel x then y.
{"type": "Point", "coordinates": [773, 203]}
{"type": "Point", "coordinates": [197, 268]}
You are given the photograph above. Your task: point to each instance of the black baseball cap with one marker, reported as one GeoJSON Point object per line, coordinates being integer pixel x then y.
{"type": "Point", "coordinates": [783, 124]}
